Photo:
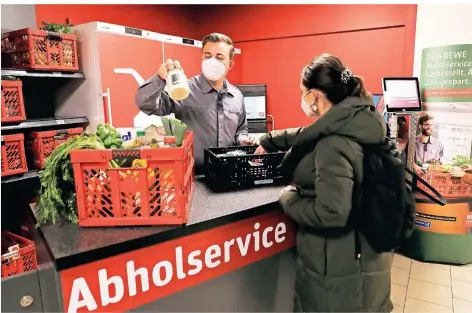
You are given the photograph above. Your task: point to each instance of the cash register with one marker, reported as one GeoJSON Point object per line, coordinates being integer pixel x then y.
{"type": "Point", "coordinates": [255, 101]}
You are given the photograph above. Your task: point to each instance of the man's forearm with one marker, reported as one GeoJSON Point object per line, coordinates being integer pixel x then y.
{"type": "Point", "coordinates": [151, 97]}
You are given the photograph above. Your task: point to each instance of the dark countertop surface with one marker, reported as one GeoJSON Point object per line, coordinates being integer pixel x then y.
{"type": "Point", "coordinates": [71, 245]}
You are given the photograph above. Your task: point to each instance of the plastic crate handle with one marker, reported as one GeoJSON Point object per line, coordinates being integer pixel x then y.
{"type": "Point", "coordinates": [133, 153]}
{"type": "Point", "coordinates": [61, 133]}
{"type": "Point", "coordinates": [52, 36]}
{"type": "Point", "coordinates": [255, 164]}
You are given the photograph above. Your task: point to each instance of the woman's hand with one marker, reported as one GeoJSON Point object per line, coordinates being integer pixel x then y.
{"type": "Point", "coordinates": [260, 150]}
{"type": "Point", "coordinates": [247, 140]}
{"type": "Point", "coordinates": [287, 189]}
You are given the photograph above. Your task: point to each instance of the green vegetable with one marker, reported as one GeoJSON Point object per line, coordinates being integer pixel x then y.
{"type": "Point", "coordinates": [109, 136]}
{"type": "Point", "coordinates": [117, 142]}
{"type": "Point", "coordinates": [101, 133]}
{"type": "Point", "coordinates": [57, 194]}
{"type": "Point", "coordinates": [57, 28]}
{"type": "Point", "coordinates": [460, 160]}
{"type": "Point", "coordinates": [165, 123]}
{"type": "Point", "coordinates": [113, 164]}
{"type": "Point", "coordinates": [174, 127]}
{"type": "Point", "coordinates": [108, 142]}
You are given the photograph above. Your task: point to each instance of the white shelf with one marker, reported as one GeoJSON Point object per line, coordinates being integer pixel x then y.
{"type": "Point", "coordinates": [32, 73]}
{"type": "Point", "coordinates": [47, 122]}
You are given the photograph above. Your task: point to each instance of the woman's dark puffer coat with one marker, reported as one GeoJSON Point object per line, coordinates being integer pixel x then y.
{"type": "Point", "coordinates": [326, 161]}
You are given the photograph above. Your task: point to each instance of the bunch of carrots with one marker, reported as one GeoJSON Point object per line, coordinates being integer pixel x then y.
{"type": "Point", "coordinates": [57, 194]}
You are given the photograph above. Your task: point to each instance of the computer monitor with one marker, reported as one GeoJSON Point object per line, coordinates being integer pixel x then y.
{"type": "Point", "coordinates": [401, 94]}
{"type": "Point", "coordinates": [255, 107]}
{"type": "Point", "coordinates": [255, 101]}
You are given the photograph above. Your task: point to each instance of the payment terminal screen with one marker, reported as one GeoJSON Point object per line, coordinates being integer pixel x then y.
{"type": "Point", "coordinates": [401, 94]}
{"type": "Point", "coordinates": [255, 107]}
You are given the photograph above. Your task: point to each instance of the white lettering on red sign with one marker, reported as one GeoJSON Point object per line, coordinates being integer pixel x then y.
{"type": "Point", "coordinates": [112, 289]}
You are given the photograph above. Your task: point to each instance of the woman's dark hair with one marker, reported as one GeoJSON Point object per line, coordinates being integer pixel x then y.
{"type": "Point", "coordinates": [329, 74]}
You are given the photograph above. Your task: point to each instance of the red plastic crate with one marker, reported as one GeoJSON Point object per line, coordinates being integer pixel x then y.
{"type": "Point", "coordinates": [13, 107]}
{"type": "Point", "coordinates": [41, 50]}
{"type": "Point", "coordinates": [42, 144]}
{"type": "Point", "coordinates": [21, 258]}
{"type": "Point", "coordinates": [159, 194]}
{"type": "Point", "coordinates": [13, 155]}
{"type": "Point", "coordinates": [447, 185]}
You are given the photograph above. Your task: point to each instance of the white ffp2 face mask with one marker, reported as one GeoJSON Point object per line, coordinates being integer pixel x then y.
{"type": "Point", "coordinates": [213, 69]}
{"type": "Point", "coordinates": [309, 112]}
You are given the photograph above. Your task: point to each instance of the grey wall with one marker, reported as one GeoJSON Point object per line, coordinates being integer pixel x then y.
{"type": "Point", "coordinates": [17, 16]}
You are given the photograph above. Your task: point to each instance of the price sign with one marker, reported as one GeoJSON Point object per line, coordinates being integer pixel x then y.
{"type": "Point", "coordinates": [60, 122]}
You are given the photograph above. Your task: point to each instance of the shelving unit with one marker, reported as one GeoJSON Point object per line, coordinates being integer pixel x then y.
{"type": "Point", "coordinates": [40, 91]}
{"type": "Point", "coordinates": [34, 124]}
{"type": "Point", "coordinates": [34, 174]}
{"type": "Point", "coordinates": [25, 73]}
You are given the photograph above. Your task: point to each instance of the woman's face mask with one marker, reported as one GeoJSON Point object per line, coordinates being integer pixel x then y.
{"type": "Point", "coordinates": [213, 69]}
{"type": "Point", "coordinates": [309, 109]}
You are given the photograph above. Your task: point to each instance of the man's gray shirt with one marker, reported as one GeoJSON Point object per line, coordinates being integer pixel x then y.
{"type": "Point", "coordinates": [217, 118]}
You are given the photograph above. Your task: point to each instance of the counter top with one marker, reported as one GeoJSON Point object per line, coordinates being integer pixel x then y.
{"type": "Point", "coordinates": [71, 245]}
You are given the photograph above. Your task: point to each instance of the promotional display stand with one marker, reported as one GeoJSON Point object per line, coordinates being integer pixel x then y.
{"type": "Point", "coordinates": [444, 233]}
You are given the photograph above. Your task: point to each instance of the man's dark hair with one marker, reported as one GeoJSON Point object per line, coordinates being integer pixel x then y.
{"type": "Point", "coordinates": [424, 118]}
{"type": "Point", "coordinates": [217, 37]}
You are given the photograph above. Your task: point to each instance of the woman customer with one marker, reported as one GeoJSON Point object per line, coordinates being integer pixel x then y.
{"type": "Point", "coordinates": [326, 161]}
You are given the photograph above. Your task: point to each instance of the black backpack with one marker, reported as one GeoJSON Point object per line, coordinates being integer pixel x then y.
{"type": "Point", "coordinates": [385, 212]}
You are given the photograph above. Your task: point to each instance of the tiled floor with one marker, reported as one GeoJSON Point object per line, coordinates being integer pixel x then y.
{"type": "Point", "coordinates": [430, 288]}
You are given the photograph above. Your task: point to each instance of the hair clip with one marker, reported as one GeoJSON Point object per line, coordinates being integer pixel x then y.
{"type": "Point", "coordinates": [346, 75]}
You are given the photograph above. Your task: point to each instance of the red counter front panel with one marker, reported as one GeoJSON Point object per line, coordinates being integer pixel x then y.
{"type": "Point", "coordinates": [129, 280]}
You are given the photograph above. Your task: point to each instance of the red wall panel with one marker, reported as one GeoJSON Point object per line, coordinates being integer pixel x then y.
{"type": "Point", "coordinates": [255, 22]}
{"type": "Point", "coordinates": [278, 63]}
{"type": "Point", "coordinates": [278, 40]}
{"type": "Point", "coordinates": [167, 19]}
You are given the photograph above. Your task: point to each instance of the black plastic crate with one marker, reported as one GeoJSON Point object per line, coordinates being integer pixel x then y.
{"type": "Point", "coordinates": [241, 171]}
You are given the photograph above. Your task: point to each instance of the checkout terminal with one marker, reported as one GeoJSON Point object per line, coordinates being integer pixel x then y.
{"type": "Point", "coordinates": [255, 101]}
{"type": "Point", "coordinates": [401, 96]}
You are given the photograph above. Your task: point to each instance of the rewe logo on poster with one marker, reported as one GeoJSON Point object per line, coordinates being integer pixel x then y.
{"type": "Point", "coordinates": [185, 262]}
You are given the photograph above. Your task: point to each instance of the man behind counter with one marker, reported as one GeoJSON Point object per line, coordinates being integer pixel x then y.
{"type": "Point", "coordinates": [214, 109]}
{"type": "Point", "coordinates": [427, 147]}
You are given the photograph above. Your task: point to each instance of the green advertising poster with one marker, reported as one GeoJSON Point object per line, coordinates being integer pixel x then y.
{"type": "Point", "coordinates": [446, 74]}
{"type": "Point", "coordinates": [444, 233]}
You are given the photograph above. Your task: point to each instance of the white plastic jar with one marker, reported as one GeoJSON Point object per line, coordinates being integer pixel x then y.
{"type": "Point", "coordinates": [177, 84]}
